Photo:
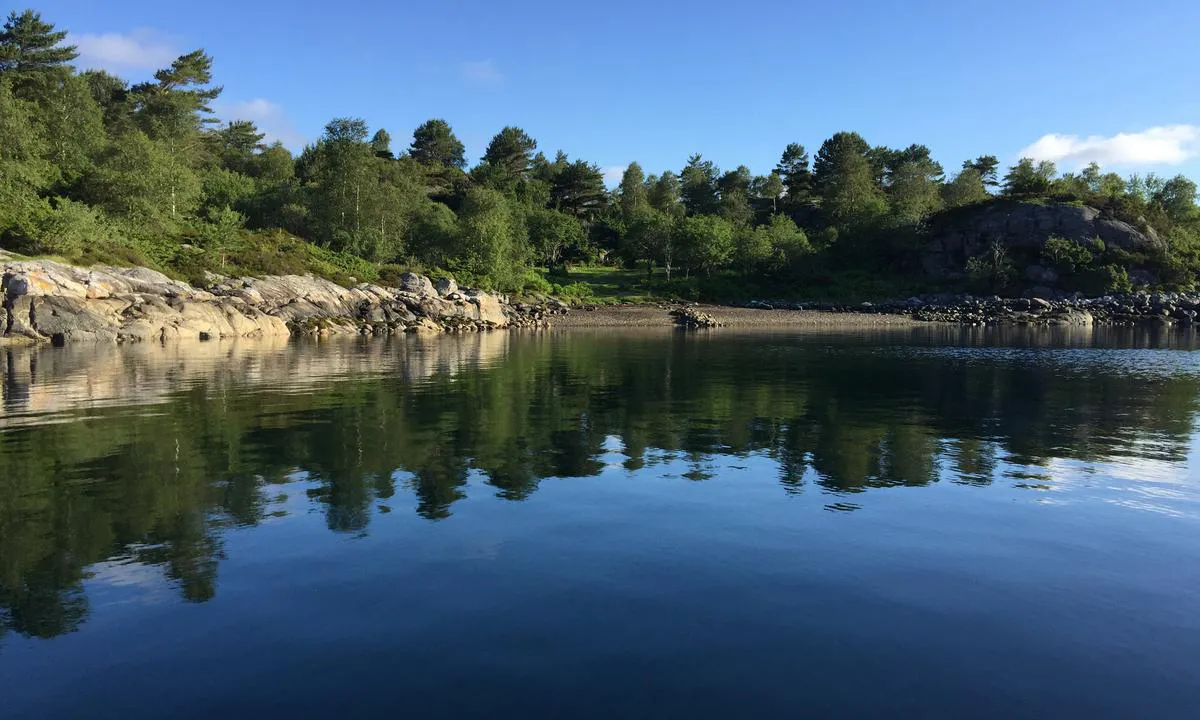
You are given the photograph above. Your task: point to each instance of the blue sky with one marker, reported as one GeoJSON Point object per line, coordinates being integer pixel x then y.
{"type": "Point", "coordinates": [655, 81]}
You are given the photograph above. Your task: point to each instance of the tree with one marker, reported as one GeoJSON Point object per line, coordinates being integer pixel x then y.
{"type": "Point", "coordinates": [797, 179]}
{"type": "Point", "coordinates": [24, 169]}
{"type": "Point", "coordinates": [381, 144]}
{"type": "Point", "coordinates": [913, 185]}
{"type": "Point", "coordinates": [338, 173]}
{"type": "Point", "coordinates": [705, 242]}
{"type": "Point", "coordinates": [751, 249]}
{"type": "Point", "coordinates": [434, 236]}
{"type": "Point", "coordinates": [74, 127]}
{"type": "Point", "coordinates": [698, 186]}
{"type": "Point", "coordinates": [965, 188]}
{"type": "Point", "coordinates": [220, 233]}
{"type": "Point", "coordinates": [32, 55]}
{"type": "Point", "coordinates": [1177, 198]}
{"type": "Point", "coordinates": [1028, 180]}
{"type": "Point", "coordinates": [492, 248]}
{"type": "Point", "coordinates": [434, 143]}
{"type": "Point", "coordinates": [578, 189]}
{"type": "Point", "coordinates": [664, 193]}
{"type": "Point", "coordinates": [787, 241]}
{"type": "Point", "coordinates": [507, 159]}
{"type": "Point", "coordinates": [632, 195]}
{"type": "Point", "coordinates": [651, 237]}
{"type": "Point", "coordinates": [552, 233]}
{"type": "Point", "coordinates": [770, 187]}
{"type": "Point", "coordinates": [987, 167]}
{"type": "Point", "coordinates": [142, 180]}
{"type": "Point", "coordinates": [845, 180]}
{"type": "Point", "coordinates": [236, 144]}
{"type": "Point", "coordinates": [176, 106]}
{"type": "Point", "coordinates": [112, 94]}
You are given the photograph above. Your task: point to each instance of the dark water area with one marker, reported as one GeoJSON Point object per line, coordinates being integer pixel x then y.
{"type": "Point", "coordinates": [934, 522]}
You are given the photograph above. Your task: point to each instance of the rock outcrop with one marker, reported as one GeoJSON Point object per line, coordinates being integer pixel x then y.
{"type": "Point", "coordinates": [690, 318]}
{"type": "Point", "coordinates": [1022, 227]}
{"type": "Point", "coordinates": [46, 300]}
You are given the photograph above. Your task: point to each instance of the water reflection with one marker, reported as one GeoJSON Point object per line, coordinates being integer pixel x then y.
{"type": "Point", "coordinates": [145, 456]}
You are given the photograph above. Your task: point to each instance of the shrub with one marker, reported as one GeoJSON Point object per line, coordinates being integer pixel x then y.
{"type": "Point", "coordinates": [991, 270]}
{"type": "Point", "coordinates": [1065, 255]}
{"type": "Point", "coordinates": [69, 229]}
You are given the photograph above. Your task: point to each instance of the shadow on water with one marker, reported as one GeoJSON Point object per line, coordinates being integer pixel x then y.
{"type": "Point", "coordinates": [149, 454]}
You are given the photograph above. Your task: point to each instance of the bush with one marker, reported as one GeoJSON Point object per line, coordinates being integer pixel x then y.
{"type": "Point", "coordinates": [991, 270]}
{"type": "Point", "coordinates": [69, 229]}
{"type": "Point", "coordinates": [1104, 280]}
{"type": "Point", "coordinates": [1065, 255]}
{"type": "Point", "coordinates": [576, 291]}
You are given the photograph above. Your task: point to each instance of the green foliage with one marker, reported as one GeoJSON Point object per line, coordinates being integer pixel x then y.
{"type": "Point", "coordinates": [1026, 179]}
{"type": "Point", "coordinates": [632, 195]}
{"type": "Point", "coordinates": [69, 229]}
{"type": "Point", "coordinates": [991, 270]}
{"type": "Point", "coordinates": [967, 188]}
{"type": "Point", "coordinates": [552, 234]}
{"type": "Point", "coordinates": [32, 55]}
{"type": "Point", "coordinates": [845, 180]}
{"type": "Point", "coordinates": [143, 181]}
{"type": "Point", "coordinates": [1105, 279]}
{"type": "Point", "coordinates": [492, 241]}
{"type": "Point", "coordinates": [698, 186]}
{"type": "Point", "coordinates": [1066, 255]}
{"type": "Point", "coordinates": [705, 242]}
{"type": "Point", "coordinates": [94, 169]}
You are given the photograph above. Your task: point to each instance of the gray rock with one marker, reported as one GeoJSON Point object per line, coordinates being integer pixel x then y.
{"type": "Point", "coordinates": [416, 284]}
{"type": "Point", "coordinates": [1041, 275]}
{"type": "Point", "coordinates": [959, 235]}
{"type": "Point", "coordinates": [445, 286]}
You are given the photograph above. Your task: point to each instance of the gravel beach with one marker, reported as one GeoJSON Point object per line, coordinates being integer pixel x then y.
{"type": "Point", "coordinates": [659, 316]}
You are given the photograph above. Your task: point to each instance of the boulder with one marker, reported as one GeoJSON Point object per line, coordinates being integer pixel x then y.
{"type": "Point", "coordinates": [416, 284]}
{"type": "Point", "coordinates": [445, 286]}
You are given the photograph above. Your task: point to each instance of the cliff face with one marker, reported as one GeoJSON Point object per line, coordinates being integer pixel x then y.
{"type": "Point", "coordinates": [45, 300]}
{"type": "Point", "coordinates": [960, 234]}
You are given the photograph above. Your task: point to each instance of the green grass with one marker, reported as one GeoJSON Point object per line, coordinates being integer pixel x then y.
{"type": "Point", "coordinates": [608, 285]}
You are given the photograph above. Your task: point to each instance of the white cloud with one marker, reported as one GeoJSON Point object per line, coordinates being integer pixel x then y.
{"type": "Point", "coordinates": [141, 49]}
{"type": "Point", "coordinates": [1165, 145]}
{"type": "Point", "coordinates": [613, 173]}
{"type": "Point", "coordinates": [483, 72]}
{"type": "Point", "coordinates": [270, 118]}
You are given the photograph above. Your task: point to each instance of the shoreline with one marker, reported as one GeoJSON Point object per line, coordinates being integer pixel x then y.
{"type": "Point", "coordinates": [659, 315]}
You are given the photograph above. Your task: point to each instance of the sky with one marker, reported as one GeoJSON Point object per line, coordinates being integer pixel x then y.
{"type": "Point", "coordinates": [655, 81]}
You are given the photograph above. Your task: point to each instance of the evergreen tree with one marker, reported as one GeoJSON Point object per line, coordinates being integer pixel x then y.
{"type": "Point", "coordinates": [32, 55]}
{"type": "Point", "coordinates": [797, 178]}
{"type": "Point", "coordinates": [698, 186]}
{"type": "Point", "coordinates": [845, 180]}
{"type": "Point", "coordinates": [434, 143]}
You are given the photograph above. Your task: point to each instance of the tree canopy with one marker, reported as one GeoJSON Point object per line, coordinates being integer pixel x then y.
{"type": "Point", "coordinates": [94, 167]}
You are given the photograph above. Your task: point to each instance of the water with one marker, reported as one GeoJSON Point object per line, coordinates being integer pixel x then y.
{"type": "Point", "coordinates": [933, 523]}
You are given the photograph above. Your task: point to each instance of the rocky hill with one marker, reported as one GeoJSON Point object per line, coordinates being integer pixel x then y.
{"type": "Point", "coordinates": [1023, 229]}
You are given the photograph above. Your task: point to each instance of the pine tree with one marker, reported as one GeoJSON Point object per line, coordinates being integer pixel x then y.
{"type": "Point", "coordinates": [31, 54]}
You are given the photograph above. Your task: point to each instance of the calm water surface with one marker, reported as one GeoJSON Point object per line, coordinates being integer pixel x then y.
{"type": "Point", "coordinates": [925, 523]}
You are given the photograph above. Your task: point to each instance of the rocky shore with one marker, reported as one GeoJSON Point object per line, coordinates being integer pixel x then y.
{"type": "Point", "coordinates": [1163, 308]}
{"type": "Point", "coordinates": [46, 301]}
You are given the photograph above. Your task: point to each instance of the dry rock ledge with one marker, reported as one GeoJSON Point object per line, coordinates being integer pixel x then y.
{"type": "Point", "coordinates": [46, 301]}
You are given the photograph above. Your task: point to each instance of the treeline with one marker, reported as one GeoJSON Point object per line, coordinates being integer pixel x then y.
{"type": "Point", "coordinates": [93, 168]}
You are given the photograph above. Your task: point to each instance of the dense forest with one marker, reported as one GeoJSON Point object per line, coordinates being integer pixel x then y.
{"type": "Point", "coordinates": [95, 169]}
